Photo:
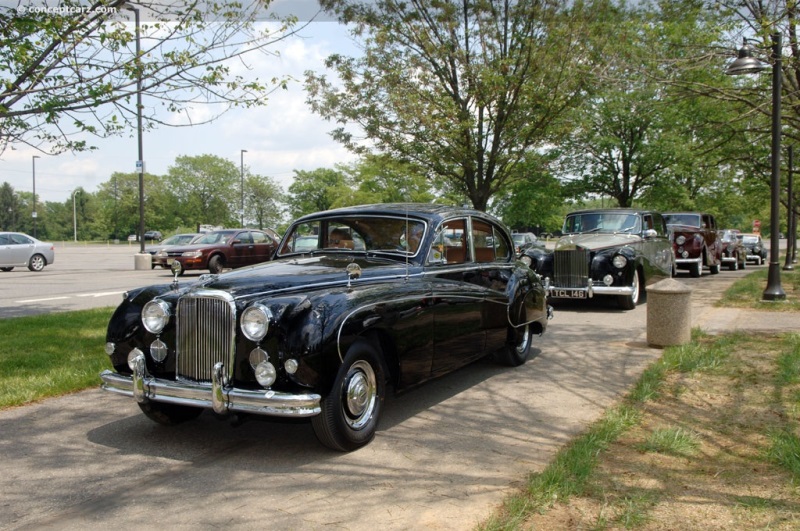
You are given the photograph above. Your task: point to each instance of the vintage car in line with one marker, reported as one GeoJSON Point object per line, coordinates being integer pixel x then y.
{"type": "Point", "coordinates": [695, 241]}
{"type": "Point", "coordinates": [756, 251]}
{"type": "Point", "coordinates": [734, 254]}
{"type": "Point", "coordinates": [609, 252]}
{"type": "Point", "coordinates": [524, 241]}
{"type": "Point", "coordinates": [388, 295]}
{"type": "Point", "coordinates": [219, 249]}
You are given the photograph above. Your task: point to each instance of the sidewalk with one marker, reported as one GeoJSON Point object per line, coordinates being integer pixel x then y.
{"type": "Point", "coordinates": [720, 320]}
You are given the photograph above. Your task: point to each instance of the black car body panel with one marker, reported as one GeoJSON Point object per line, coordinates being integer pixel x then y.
{"type": "Point", "coordinates": [425, 315]}
{"type": "Point", "coordinates": [611, 252]}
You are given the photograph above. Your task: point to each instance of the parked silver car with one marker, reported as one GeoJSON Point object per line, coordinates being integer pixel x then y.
{"type": "Point", "coordinates": [18, 250]}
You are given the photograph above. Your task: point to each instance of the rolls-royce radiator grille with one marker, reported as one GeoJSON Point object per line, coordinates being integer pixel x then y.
{"type": "Point", "coordinates": [571, 268]}
{"type": "Point", "coordinates": [206, 328]}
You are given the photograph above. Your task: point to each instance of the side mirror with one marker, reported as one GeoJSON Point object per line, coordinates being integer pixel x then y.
{"type": "Point", "coordinates": [650, 233]}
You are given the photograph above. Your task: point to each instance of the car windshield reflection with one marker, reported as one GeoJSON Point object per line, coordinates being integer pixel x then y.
{"type": "Point", "coordinates": [601, 222]}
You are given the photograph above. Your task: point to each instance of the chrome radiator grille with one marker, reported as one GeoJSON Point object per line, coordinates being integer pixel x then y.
{"type": "Point", "coordinates": [206, 329]}
{"type": "Point", "coordinates": [571, 268]}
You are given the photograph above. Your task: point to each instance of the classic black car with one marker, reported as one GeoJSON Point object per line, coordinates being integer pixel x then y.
{"type": "Point", "coordinates": [608, 252]}
{"type": "Point", "coordinates": [385, 295]}
{"type": "Point", "coordinates": [754, 245]}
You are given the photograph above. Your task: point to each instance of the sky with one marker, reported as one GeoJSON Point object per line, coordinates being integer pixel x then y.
{"type": "Point", "coordinates": [280, 137]}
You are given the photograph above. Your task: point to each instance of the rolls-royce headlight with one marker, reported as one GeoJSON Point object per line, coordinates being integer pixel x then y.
{"type": "Point", "coordinates": [619, 261]}
{"type": "Point", "coordinates": [255, 322]}
{"type": "Point", "coordinates": [155, 316]}
{"type": "Point", "coordinates": [291, 365]}
{"type": "Point", "coordinates": [680, 240]}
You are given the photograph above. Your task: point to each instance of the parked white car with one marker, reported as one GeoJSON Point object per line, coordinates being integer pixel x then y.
{"type": "Point", "coordinates": [18, 250]}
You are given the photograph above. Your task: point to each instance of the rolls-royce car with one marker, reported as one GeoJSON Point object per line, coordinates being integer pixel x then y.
{"type": "Point", "coordinates": [754, 248]}
{"type": "Point", "coordinates": [614, 253]}
{"type": "Point", "coordinates": [356, 300]}
{"type": "Point", "coordinates": [695, 241]}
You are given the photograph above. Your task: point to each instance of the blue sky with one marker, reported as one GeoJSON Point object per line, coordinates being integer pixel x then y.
{"type": "Point", "coordinates": [280, 137]}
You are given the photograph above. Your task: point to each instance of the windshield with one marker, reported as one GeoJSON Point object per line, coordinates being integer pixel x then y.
{"type": "Point", "coordinates": [214, 237]}
{"type": "Point", "coordinates": [692, 220]}
{"type": "Point", "coordinates": [355, 233]}
{"type": "Point", "coordinates": [601, 222]}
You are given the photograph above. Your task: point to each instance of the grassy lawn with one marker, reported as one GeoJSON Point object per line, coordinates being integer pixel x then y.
{"type": "Point", "coordinates": [50, 355]}
{"type": "Point", "coordinates": [709, 438]}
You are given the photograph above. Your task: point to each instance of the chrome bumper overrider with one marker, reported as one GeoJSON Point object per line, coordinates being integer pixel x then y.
{"type": "Point", "coordinates": [217, 396]}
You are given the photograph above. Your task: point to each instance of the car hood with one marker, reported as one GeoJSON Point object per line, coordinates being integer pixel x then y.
{"type": "Point", "coordinates": [595, 241]}
{"type": "Point", "coordinates": [307, 273]}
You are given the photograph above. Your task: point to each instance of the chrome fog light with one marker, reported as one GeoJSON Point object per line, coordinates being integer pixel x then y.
{"type": "Point", "coordinates": [155, 316]}
{"type": "Point", "coordinates": [110, 348]}
{"type": "Point", "coordinates": [619, 261]}
{"type": "Point", "coordinates": [257, 356]}
{"type": "Point", "coordinates": [608, 280]}
{"type": "Point", "coordinates": [265, 374]}
{"type": "Point", "coordinates": [255, 322]}
{"type": "Point", "coordinates": [133, 355]}
{"type": "Point", "coordinates": [685, 254]}
{"type": "Point", "coordinates": [291, 366]}
{"type": "Point", "coordinates": [158, 350]}
{"type": "Point", "coordinates": [680, 240]}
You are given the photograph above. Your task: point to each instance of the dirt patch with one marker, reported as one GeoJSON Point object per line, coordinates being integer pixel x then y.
{"type": "Point", "coordinates": [700, 456]}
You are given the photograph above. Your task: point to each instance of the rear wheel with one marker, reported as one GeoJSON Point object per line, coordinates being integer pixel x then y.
{"type": "Point", "coordinates": [37, 262]}
{"type": "Point", "coordinates": [351, 410]}
{"type": "Point", "coordinates": [169, 414]}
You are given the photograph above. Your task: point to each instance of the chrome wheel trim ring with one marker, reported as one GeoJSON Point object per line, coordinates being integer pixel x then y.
{"type": "Point", "coordinates": [360, 395]}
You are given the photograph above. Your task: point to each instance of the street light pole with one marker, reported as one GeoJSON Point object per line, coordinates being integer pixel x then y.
{"type": "Point", "coordinates": [74, 216]}
{"type": "Point", "coordinates": [241, 154]}
{"type": "Point", "coordinates": [140, 162]}
{"type": "Point", "coordinates": [747, 64]}
{"type": "Point", "coordinates": [33, 212]}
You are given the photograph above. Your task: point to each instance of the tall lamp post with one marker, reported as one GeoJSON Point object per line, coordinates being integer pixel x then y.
{"type": "Point", "coordinates": [74, 216]}
{"type": "Point", "coordinates": [746, 63]}
{"type": "Point", "coordinates": [140, 162]}
{"type": "Point", "coordinates": [33, 212]}
{"type": "Point", "coordinates": [241, 154]}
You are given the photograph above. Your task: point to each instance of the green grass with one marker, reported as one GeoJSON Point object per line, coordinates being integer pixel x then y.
{"type": "Point", "coordinates": [747, 292]}
{"type": "Point", "coordinates": [50, 355]}
{"type": "Point", "coordinates": [672, 440]}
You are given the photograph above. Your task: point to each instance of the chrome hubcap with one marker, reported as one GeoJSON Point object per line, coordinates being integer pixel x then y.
{"type": "Point", "coordinates": [360, 394]}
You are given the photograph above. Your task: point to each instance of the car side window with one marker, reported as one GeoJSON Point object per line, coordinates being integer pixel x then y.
{"type": "Point", "coordinates": [490, 246]}
{"type": "Point", "coordinates": [4, 240]}
{"type": "Point", "coordinates": [19, 239]}
{"type": "Point", "coordinates": [259, 237]}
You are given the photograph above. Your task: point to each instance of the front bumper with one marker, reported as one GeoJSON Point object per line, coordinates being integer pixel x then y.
{"type": "Point", "coordinates": [221, 398]}
{"type": "Point", "coordinates": [688, 261]}
{"type": "Point", "coordinates": [588, 292]}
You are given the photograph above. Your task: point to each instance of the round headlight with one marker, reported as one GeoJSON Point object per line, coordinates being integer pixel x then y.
{"type": "Point", "coordinates": [608, 280]}
{"type": "Point", "coordinates": [255, 322]}
{"type": "Point", "coordinates": [155, 316]}
{"type": "Point", "coordinates": [680, 240]}
{"type": "Point", "coordinates": [158, 350]}
{"type": "Point", "coordinates": [265, 374]}
{"type": "Point", "coordinates": [257, 356]}
{"type": "Point", "coordinates": [291, 365]}
{"type": "Point", "coordinates": [619, 261]}
{"type": "Point", "coordinates": [526, 260]}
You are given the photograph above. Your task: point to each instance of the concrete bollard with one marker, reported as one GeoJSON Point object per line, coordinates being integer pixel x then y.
{"type": "Point", "coordinates": [143, 261]}
{"type": "Point", "coordinates": [669, 313]}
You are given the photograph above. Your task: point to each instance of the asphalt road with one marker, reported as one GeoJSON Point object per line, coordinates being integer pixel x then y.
{"type": "Point", "coordinates": [445, 456]}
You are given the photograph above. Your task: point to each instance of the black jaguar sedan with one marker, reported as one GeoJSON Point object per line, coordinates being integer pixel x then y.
{"type": "Point", "coordinates": [356, 300]}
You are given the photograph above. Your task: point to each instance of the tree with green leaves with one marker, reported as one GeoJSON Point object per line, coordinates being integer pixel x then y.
{"type": "Point", "coordinates": [463, 89]}
{"type": "Point", "coordinates": [9, 208]}
{"type": "Point", "coordinates": [264, 200]}
{"type": "Point", "coordinates": [315, 190]}
{"type": "Point", "coordinates": [207, 189]}
{"type": "Point", "coordinates": [73, 70]}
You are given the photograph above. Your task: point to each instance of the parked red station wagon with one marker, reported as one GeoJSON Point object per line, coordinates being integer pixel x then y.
{"type": "Point", "coordinates": [217, 250]}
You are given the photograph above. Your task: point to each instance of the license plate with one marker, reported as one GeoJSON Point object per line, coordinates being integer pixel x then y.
{"type": "Point", "coordinates": [569, 294]}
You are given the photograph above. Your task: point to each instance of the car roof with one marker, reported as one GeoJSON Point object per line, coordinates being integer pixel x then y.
{"type": "Point", "coordinates": [427, 211]}
{"type": "Point", "coordinates": [611, 211]}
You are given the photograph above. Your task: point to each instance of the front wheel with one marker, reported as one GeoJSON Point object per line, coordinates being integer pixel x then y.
{"type": "Point", "coordinates": [518, 344]}
{"type": "Point", "coordinates": [216, 265]}
{"type": "Point", "coordinates": [714, 269]}
{"type": "Point", "coordinates": [37, 262]}
{"type": "Point", "coordinates": [351, 410]}
{"type": "Point", "coordinates": [629, 302]}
